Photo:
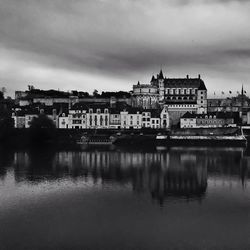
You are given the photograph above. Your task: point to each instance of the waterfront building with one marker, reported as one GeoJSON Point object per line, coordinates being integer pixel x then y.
{"type": "Point", "coordinates": [19, 119]}
{"type": "Point", "coordinates": [97, 117]}
{"type": "Point", "coordinates": [155, 119]}
{"type": "Point", "coordinates": [77, 117]}
{"type": "Point", "coordinates": [239, 103]}
{"type": "Point", "coordinates": [209, 120]}
{"type": "Point", "coordinates": [146, 117]}
{"type": "Point", "coordinates": [131, 118]}
{"type": "Point", "coordinates": [115, 119]}
{"type": "Point", "coordinates": [188, 120]}
{"type": "Point", "coordinates": [165, 119]}
{"type": "Point", "coordinates": [23, 116]}
{"type": "Point", "coordinates": [63, 121]}
{"type": "Point", "coordinates": [91, 116]}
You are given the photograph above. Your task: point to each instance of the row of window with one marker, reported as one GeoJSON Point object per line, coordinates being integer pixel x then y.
{"type": "Point", "coordinates": [181, 91]}
{"type": "Point", "coordinates": [98, 111]}
{"type": "Point", "coordinates": [182, 105]}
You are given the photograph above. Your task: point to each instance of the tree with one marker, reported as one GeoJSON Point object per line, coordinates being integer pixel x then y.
{"type": "Point", "coordinates": [1, 95]}
{"type": "Point", "coordinates": [42, 122]}
{"type": "Point", "coordinates": [95, 93]}
{"type": "Point", "coordinates": [42, 130]}
{"type": "Point", "coordinates": [6, 125]}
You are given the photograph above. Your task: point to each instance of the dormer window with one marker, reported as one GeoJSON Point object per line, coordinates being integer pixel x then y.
{"type": "Point", "coordinates": [105, 111]}
{"type": "Point", "coordinates": [98, 111]}
{"type": "Point", "coordinates": [91, 111]}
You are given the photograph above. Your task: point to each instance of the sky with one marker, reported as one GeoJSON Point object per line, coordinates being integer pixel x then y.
{"type": "Point", "coordinates": [109, 45]}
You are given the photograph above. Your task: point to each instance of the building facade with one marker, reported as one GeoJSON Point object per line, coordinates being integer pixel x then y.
{"type": "Point", "coordinates": [209, 120]}
{"type": "Point", "coordinates": [181, 95]}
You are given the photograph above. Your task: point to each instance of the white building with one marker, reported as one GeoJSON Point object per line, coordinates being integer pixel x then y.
{"type": "Point", "coordinates": [131, 119]}
{"type": "Point", "coordinates": [188, 120]}
{"type": "Point", "coordinates": [97, 118]}
{"type": "Point", "coordinates": [115, 119]}
{"type": "Point", "coordinates": [146, 116]}
{"type": "Point", "coordinates": [63, 121]}
{"type": "Point", "coordinates": [165, 120]}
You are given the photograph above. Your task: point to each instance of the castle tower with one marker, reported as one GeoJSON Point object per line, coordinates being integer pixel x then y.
{"type": "Point", "coordinates": [161, 86]}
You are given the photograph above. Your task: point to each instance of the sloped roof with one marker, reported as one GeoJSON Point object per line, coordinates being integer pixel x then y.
{"type": "Point", "coordinates": [189, 115]}
{"type": "Point", "coordinates": [185, 83]}
{"type": "Point", "coordinates": [160, 76]}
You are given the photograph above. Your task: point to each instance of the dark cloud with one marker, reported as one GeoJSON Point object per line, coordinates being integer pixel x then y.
{"type": "Point", "coordinates": [122, 40]}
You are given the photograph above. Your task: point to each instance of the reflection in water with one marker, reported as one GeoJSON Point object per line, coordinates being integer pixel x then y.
{"type": "Point", "coordinates": [84, 200]}
{"type": "Point", "coordinates": [165, 174]}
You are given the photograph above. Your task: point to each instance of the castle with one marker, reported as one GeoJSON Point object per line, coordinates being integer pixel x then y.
{"type": "Point", "coordinates": [171, 91]}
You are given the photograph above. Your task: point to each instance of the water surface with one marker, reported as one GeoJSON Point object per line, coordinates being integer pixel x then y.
{"type": "Point", "coordinates": [116, 198]}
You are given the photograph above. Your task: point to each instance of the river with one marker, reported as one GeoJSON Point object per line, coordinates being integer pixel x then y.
{"type": "Point", "coordinates": [125, 198]}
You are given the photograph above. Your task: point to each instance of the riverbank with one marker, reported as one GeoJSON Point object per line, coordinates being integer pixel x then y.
{"type": "Point", "coordinates": [67, 138]}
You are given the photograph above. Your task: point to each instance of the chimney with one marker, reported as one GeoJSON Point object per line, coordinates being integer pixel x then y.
{"type": "Point", "coordinates": [187, 76]}
{"type": "Point", "coordinates": [199, 76]}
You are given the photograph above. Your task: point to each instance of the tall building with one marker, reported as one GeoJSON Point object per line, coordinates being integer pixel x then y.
{"type": "Point", "coordinates": [179, 95]}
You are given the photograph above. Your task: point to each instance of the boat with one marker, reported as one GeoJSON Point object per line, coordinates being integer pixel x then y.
{"type": "Point", "coordinates": [96, 140]}
{"type": "Point", "coordinates": [232, 137]}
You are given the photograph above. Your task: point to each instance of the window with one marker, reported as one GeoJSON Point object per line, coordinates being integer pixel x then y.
{"type": "Point", "coordinates": [90, 111]}
{"type": "Point", "coordinates": [98, 111]}
{"type": "Point", "coordinates": [105, 111]}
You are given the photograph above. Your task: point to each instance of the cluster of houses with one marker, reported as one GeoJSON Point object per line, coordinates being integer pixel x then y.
{"type": "Point", "coordinates": [97, 116]}
{"type": "Point", "coordinates": [163, 103]}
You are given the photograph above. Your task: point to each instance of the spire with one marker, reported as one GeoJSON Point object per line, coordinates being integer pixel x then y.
{"type": "Point", "coordinates": [242, 90]}
{"type": "Point", "coordinates": [138, 83]}
{"type": "Point", "coordinates": [152, 79]}
{"type": "Point", "coordinates": [161, 75]}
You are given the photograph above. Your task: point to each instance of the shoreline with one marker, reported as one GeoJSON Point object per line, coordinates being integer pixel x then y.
{"type": "Point", "coordinates": [60, 138]}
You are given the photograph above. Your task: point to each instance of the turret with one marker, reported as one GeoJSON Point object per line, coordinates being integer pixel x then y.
{"type": "Point", "coordinates": [161, 85]}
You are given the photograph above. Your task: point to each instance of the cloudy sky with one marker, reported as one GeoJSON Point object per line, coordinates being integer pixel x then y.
{"type": "Point", "coordinates": [111, 44]}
